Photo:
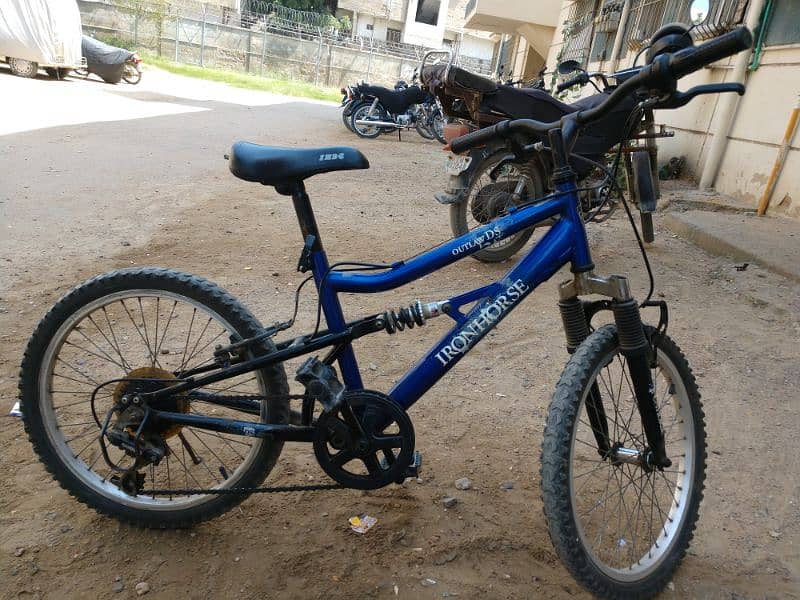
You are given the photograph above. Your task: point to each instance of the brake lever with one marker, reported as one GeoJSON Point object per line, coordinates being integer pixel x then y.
{"type": "Point", "coordinates": [678, 99]}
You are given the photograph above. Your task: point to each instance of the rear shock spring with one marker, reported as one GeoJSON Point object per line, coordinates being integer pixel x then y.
{"type": "Point", "coordinates": [404, 317]}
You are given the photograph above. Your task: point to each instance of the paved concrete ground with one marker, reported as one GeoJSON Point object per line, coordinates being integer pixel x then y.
{"type": "Point", "coordinates": [772, 242]}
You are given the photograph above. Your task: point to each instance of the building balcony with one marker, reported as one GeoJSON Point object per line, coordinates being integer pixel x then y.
{"type": "Point", "coordinates": [507, 16]}
{"type": "Point", "coordinates": [535, 21]}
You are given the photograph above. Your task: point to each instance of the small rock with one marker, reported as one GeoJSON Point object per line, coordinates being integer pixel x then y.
{"type": "Point", "coordinates": [117, 578]}
{"type": "Point", "coordinates": [463, 484]}
{"type": "Point", "coordinates": [165, 351]}
{"type": "Point", "coordinates": [775, 534]}
{"type": "Point", "coordinates": [508, 485]}
{"type": "Point", "coordinates": [19, 551]}
{"type": "Point", "coordinates": [237, 559]}
{"type": "Point", "coordinates": [397, 536]}
{"type": "Point", "coordinates": [449, 501]}
{"type": "Point", "coordinates": [671, 586]}
{"type": "Point", "coordinates": [65, 528]}
{"type": "Point", "coordinates": [276, 274]}
{"type": "Point", "coordinates": [142, 588]}
{"type": "Point", "coordinates": [445, 558]}
{"type": "Point", "coordinates": [117, 587]}
{"type": "Point", "coordinates": [126, 243]}
{"type": "Point", "coordinates": [428, 582]}
{"type": "Point", "coordinates": [373, 367]}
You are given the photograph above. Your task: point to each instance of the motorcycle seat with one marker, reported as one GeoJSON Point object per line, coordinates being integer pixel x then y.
{"type": "Point", "coordinates": [271, 165]}
{"type": "Point", "coordinates": [395, 102]}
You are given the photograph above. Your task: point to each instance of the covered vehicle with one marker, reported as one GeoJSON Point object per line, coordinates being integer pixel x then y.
{"type": "Point", "coordinates": [105, 61]}
{"type": "Point", "coordinates": [40, 34]}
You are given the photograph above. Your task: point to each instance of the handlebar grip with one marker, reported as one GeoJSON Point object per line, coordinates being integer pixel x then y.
{"type": "Point", "coordinates": [582, 78]}
{"type": "Point", "coordinates": [692, 59]}
{"type": "Point", "coordinates": [476, 138]}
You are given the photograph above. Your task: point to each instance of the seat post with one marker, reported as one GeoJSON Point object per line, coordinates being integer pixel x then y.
{"type": "Point", "coordinates": [305, 214]}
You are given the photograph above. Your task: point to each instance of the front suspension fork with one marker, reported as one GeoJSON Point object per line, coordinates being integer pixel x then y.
{"type": "Point", "coordinates": [634, 346]}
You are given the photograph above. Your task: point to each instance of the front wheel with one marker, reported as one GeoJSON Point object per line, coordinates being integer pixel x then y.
{"type": "Point", "coordinates": [438, 121]}
{"type": "Point", "coordinates": [143, 327]}
{"type": "Point", "coordinates": [620, 526]}
{"type": "Point", "coordinates": [364, 131]}
{"type": "Point", "coordinates": [131, 74]}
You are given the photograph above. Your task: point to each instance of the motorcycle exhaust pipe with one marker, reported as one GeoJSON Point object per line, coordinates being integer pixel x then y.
{"type": "Point", "coordinates": [377, 123]}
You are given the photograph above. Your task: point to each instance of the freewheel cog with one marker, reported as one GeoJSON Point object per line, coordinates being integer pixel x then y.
{"type": "Point", "coordinates": [365, 443]}
{"type": "Point", "coordinates": [152, 379]}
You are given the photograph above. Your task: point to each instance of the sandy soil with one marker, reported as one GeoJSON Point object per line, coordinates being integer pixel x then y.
{"type": "Point", "coordinates": [482, 421]}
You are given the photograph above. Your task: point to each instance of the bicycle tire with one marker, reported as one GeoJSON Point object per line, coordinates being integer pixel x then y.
{"type": "Point", "coordinates": [562, 491]}
{"type": "Point", "coordinates": [45, 347]}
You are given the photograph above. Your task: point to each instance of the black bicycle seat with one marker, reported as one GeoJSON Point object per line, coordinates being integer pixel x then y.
{"type": "Point", "coordinates": [270, 165]}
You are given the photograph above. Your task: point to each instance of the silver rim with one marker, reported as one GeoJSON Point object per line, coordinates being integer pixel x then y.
{"type": "Point", "coordinates": [361, 113]}
{"type": "Point", "coordinates": [24, 67]}
{"type": "Point", "coordinates": [629, 519]}
{"type": "Point", "coordinates": [120, 333]}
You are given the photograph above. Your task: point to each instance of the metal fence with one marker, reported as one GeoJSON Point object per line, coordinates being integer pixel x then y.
{"type": "Point", "coordinates": [268, 41]}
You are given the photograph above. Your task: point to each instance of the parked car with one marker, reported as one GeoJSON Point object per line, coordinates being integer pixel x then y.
{"type": "Point", "coordinates": [36, 34]}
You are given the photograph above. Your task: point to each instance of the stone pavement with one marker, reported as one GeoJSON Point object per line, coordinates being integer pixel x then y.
{"type": "Point", "coordinates": [772, 242]}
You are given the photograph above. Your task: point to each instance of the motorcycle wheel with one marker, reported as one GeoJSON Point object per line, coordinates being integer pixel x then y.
{"type": "Point", "coordinates": [363, 131]}
{"type": "Point", "coordinates": [131, 74]}
{"type": "Point", "coordinates": [423, 130]}
{"type": "Point", "coordinates": [438, 121]}
{"type": "Point", "coordinates": [486, 200]}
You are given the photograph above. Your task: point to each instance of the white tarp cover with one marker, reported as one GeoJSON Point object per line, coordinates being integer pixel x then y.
{"type": "Point", "coordinates": [44, 31]}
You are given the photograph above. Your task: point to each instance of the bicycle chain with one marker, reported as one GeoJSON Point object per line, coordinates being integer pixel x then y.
{"type": "Point", "coordinates": [279, 489]}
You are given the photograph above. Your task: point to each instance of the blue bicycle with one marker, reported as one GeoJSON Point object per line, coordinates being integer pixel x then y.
{"type": "Point", "coordinates": [156, 398]}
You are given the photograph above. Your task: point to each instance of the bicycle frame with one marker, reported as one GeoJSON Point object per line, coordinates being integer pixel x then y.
{"type": "Point", "coordinates": [565, 242]}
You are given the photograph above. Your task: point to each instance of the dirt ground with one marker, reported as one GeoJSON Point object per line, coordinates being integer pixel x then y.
{"type": "Point", "coordinates": [482, 421]}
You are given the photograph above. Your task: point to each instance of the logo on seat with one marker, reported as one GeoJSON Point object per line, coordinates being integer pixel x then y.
{"type": "Point", "coordinates": [339, 156]}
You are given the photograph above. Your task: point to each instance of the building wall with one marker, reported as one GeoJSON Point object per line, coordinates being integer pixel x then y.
{"type": "Point", "coordinates": [758, 129]}
{"type": "Point", "coordinates": [423, 34]}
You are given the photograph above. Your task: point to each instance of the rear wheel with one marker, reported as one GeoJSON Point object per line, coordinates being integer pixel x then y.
{"type": "Point", "coordinates": [131, 74]}
{"type": "Point", "coordinates": [57, 72]}
{"type": "Point", "coordinates": [438, 121]}
{"type": "Point", "coordinates": [23, 68]}
{"type": "Point", "coordinates": [364, 131]}
{"type": "Point", "coordinates": [619, 526]}
{"type": "Point", "coordinates": [99, 342]}
{"type": "Point", "coordinates": [487, 199]}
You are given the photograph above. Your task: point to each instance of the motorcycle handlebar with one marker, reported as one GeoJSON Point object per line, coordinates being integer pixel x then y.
{"type": "Point", "coordinates": [581, 78]}
{"type": "Point", "coordinates": [658, 75]}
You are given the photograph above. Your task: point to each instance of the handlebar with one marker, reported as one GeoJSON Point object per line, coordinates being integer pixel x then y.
{"type": "Point", "coordinates": [655, 77]}
{"type": "Point", "coordinates": [580, 78]}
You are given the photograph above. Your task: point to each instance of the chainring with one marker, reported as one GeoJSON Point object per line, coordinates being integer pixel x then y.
{"type": "Point", "coordinates": [365, 443]}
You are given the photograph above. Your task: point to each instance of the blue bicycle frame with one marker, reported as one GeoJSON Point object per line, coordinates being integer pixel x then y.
{"type": "Point", "coordinates": [565, 242]}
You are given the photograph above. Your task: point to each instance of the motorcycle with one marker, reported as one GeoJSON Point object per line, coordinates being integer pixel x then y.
{"type": "Point", "coordinates": [110, 63]}
{"type": "Point", "coordinates": [484, 184]}
{"type": "Point", "coordinates": [376, 110]}
{"type": "Point", "coordinates": [351, 98]}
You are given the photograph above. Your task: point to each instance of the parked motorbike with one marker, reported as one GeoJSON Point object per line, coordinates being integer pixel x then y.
{"type": "Point", "coordinates": [351, 98]}
{"type": "Point", "coordinates": [485, 183]}
{"type": "Point", "coordinates": [380, 110]}
{"type": "Point", "coordinates": [110, 63]}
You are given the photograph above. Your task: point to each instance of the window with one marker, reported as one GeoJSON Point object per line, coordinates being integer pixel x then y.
{"type": "Point", "coordinates": [720, 16]}
{"type": "Point", "coordinates": [783, 26]}
{"type": "Point", "coordinates": [603, 45]}
{"type": "Point", "coordinates": [647, 16]}
{"type": "Point", "coordinates": [393, 35]}
{"type": "Point", "coordinates": [428, 12]}
{"type": "Point", "coordinates": [370, 27]}
{"type": "Point", "coordinates": [578, 32]}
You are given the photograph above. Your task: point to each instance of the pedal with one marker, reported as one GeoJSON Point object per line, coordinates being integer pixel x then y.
{"type": "Point", "coordinates": [321, 383]}
{"type": "Point", "coordinates": [412, 470]}
{"type": "Point", "coordinates": [416, 464]}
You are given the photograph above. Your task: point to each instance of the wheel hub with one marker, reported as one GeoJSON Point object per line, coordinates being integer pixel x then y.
{"type": "Point", "coordinates": [152, 379]}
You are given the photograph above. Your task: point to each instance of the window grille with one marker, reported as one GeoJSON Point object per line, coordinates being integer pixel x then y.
{"type": "Point", "coordinates": [578, 31]}
{"type": "Point", "coordinates": [723, 15]}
